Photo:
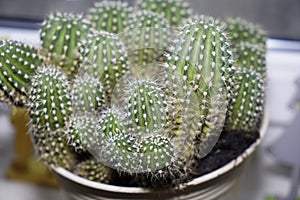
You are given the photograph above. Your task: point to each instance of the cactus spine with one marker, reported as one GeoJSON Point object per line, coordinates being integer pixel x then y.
{"type": "Point", "coordinates": [201, 56]}
{"type": "Point", "coordinates": [246, 107]}
{"type": "Point", "coordinates": [18, 62]}
{"type": "Point", "coordinates": [60, 34]}
{"type": "Point", "coordinates": [240, 30]}
{"type": "Point", "coordinates": [109, 16]}
{"type": "Point", "coordinates": [49, 99]}
{"type": "Point", "coordinates": [146, 36]}
{"type": "Point", "coordinates": [173, 10]}
{"type": "Point", "coordinates": [93, 170]}
{"type": "Point", "coordinates": [103, 55]}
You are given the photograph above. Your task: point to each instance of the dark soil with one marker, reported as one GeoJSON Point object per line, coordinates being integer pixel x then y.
{"type": "Point", "coordinates": [229, 146]}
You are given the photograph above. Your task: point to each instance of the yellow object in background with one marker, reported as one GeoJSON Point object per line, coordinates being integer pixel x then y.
{"type": "Point", "coordinates": [25, 166]}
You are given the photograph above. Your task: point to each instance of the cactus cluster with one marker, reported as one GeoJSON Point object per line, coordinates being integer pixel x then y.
{"type": "Point", "coordinates": [102, 102]}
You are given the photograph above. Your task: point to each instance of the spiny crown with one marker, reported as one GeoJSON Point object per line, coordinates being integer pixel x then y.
{"type": "Point", "coordinates": [49, 99]}
{"type": "Point", "coordinates": [87, 94]}
{"type": "Point", "coordinates": [245, 109]}
{"type": "Point", "coordinates": [146, 106]}
{"type": "Point", "coordinates": [173, 10]}
{"type": "Point", "coordinates": [241, 30]}
{"type": "Point", "coordinates": [81, 131]}
{"type": "Point", "coordinates": [60, 34]}
{"type": "Point", "coordinates": [146, 36]}
{"type": "Point", "coordinates": [18, 62]}
{"type": "Point", "coordinates": [250, 56]}
{"type": "Point", "coordinates": [110, 16]}
{"type": "Point", "coordinates": [104, 56]}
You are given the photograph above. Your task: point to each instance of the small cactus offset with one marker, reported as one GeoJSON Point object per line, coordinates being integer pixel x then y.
{"type": "Point", "coordinates": [49, 99]}
{"type": "Point", "coordinates": [53, 150]}
{"type": "Point", "coordinates": [109, 16]}
{"type": "Point", "coordinates": [60, 34]}
{"type": "Point", "coordinates": [250, 56]}
{"type": "Point", "coordinates": [146, 106]}
{"type": "Point", "coordinates": [146, 36]}
{"type": "Point", "coordinates": [18, 62]}
{"type": "Point", "coordinates": [104, 56]}
{"type": "Point", "coordinates": [246, 108]}
{"type": "Point", "coordinates": [81, 131]}
{"type": "Point", "coordinates": [87, 94]}
{"type": "Point", "coordinates": [240, 30]}
{"type": "Point", "coordinates": [93, 170]}
{"type": "Point", "coordinates": [173, 10]}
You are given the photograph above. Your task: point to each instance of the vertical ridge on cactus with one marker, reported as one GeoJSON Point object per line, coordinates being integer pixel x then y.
{"type": "Point", "coordinates": [18, 62]}
{"type": "Point", "coordinates": [146, 106]}
{"type": "Point", "coordinates": [49, 99]}
{"type": "Point", "coordinates": [240, 30]}
{"type": "Point", "coordinates": [250, 56]}
{"type": "Point", "coordinates": [93, 170]}
{"type": "Point", "coordinates": [200, 55]}
{"type": "Point", "coordinates": [87, 94]}
{"type": "Point", "coordinates": [146, 36]}
{"type": "Point", "coordinates": [173, 10]}
{"type": "Point", "coordinates": [104, 56]}
{"type": "Point", "coordinates": [245, 109]}
{"type": "Point", "coordinates": [110, 16]}
{"type": "Point", "coordinates": [60, 34]}
{"type": "Point", "coordinates": [53, 149]}
{"type": "Point", "coordinates": [81, 131]}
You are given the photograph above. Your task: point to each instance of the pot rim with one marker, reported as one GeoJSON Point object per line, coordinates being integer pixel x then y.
{"type": "Point", "coordinates": [139, 190]}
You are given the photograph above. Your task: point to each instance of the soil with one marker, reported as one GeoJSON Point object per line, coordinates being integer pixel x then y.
{"type": "Point", "coordinates": [229, 146]}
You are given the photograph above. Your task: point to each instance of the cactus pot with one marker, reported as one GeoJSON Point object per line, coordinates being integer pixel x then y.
{"type": "Point", "coordinates": [218, 184]}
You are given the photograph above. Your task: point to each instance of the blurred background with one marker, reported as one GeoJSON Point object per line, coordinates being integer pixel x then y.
{"type": "Point", "coordinates": [19, 20]}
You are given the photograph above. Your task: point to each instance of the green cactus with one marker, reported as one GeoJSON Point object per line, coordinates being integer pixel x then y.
{"type": "Point", "coordinates": [146, 106]}
{"type": "Point", "coordinates": [146, 36]}
{"type": "Point", "coordinates": [109, 16]}
{"type": "Point", "coordinates": [246, 108]}
{"type": "Point", "coordinates": [60, 34]}
{"type": "Point", "coordinates": [250, 56]}
{"type": "Point", "coordinates": [240, 30]}
{"type": "Point", "coordinates": [93, 170]}
{"type": "Point", "coordinates": [201, 56]}
{"type": "Point", "coordinates": [81, 131]}
{"type": "Point", "coordinates": [18, 62]}
{"type": "Point", "coordinates": [87, 94]}
{"type": "Point", "coordinates": [49, 99]}
{"type": "Point", "coordinates": [104, 56]}
{"type": "Point", "coordinates": [173, 10]}
{"type": "Point", "coordinates": [53, 149]}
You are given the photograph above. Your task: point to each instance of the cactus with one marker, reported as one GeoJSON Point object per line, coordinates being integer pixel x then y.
{"type": "Point", "coordinates": [245, 109]}
{"type": "Point", "coordinates": [60, 34]}
{"type": "Point", "coordinates": [103, 55]}
{"type": "Point", "coordinates": [240, 30]}
{"type": "Point", "coordinates": [146, 36]}
{"type": "Point", "coordinates": [93, 170]}
{"type": "Point", "coordinates": [53, 149]}
{"type": "Point", "coordinates": [109, 16]}
{"type": "Point", "coordinates": [146, 106]}
{"type": "Point", "coordinates": [49, 99]}
{"type": "Point", "coordinates": [173, 10]}
{"type": "Point", "coordinates": [87, 94]}
{"type": "Point", "coordinates": [250, 56]}
{"type": "Point", "coordinates": [202, 57]}
{"type": "Point", "coordinates": [81, 131]}
{"type": "Point", "coordinates": [18, 62]}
